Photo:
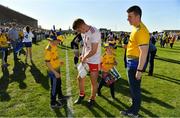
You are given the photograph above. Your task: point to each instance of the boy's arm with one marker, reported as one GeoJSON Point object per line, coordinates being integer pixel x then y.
{"type": "Point", "coordinates": [52, 69]}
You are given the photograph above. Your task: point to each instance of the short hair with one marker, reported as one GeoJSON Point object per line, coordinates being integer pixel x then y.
{"type": "Point", "coordinates": [13, 24]}
{"type": "Point", "coordinates": [27, 28]}
{"type": "Point", "coordinates": [77, 23]}
{"type": "Point", "coordinates": [136, 9]}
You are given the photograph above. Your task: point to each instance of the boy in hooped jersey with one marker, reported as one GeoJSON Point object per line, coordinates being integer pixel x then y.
{"type": "Point", "coordinates": [108, 61]}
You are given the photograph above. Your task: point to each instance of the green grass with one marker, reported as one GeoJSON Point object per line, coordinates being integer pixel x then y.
{"type": "Point", "coordinates": [26, 92]}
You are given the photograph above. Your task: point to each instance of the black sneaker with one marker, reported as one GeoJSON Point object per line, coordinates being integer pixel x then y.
{"type": "Point", "coordinates": [79, 100]}
{"type": "Point", "coordinates": [64, 97]}
{"type": "Point", "coordinates": [56, 104]}
{"type": "Point", "coordinates": [91, 103]}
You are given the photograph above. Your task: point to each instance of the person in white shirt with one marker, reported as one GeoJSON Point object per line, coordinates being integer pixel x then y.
{"type": "Point", "coordinates": [91, 54]}
{"type": "Point", "coordinates": [28, 42]}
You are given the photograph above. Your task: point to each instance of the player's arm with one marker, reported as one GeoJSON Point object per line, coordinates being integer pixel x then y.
{"type": "Point", "coordinates": [94, 47]}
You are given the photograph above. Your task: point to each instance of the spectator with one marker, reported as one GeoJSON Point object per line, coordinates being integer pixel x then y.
{"type": "Point", "coordinates": [28, 42]}
{"type": "Point", "coordinates": [137, 50]}
{"type": "Point", "coordinates": [13, 37]}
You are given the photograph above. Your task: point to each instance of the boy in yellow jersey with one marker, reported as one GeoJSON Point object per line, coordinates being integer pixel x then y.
{"type": "Point", "coordinates": [108, 61]}
{"type": "Point", "coordinates": [137, 50]}
{"type": "Point", "coordinates": [3, 48]}
{"type": "Point", "coordinates": [53, 63]}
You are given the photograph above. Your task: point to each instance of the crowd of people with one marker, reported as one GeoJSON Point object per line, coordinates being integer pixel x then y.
{"type": "Point", "coordinates": [13, 37]}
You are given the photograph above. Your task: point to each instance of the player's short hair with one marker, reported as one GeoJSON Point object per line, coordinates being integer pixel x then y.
{"type": "Point", "coordinates": [136, 9]}
{"type": "Point", "coordinates": [77, 23]}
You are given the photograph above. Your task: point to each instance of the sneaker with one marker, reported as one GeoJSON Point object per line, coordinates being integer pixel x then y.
{"type": "Point", "coordinates": [91, 103]}
{"type": "Point", "coordinates": [56, 104]}
{"type": "Point", "coordinates": [79, 100]}
{"type": "Point", "coordinates": [64, 98]}
{"type": "Point", "coordinates": [132, 115]}
{"type": "Point", "coordinates": [124, 113]}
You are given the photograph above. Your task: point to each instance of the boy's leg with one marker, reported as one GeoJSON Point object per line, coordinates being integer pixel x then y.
{"type": "Point", "coordinates": [6, 55]}
{"type": "Point", "coordinates": [112, 90]}
{"type": "Point", "coordinates": [53, 88]}
{"type": "Point", "coordinates": [101, 83]}
{"type": "Point", "coordinates": [3, 57]}
{"type": "Point", "coordinates": [59, 88]}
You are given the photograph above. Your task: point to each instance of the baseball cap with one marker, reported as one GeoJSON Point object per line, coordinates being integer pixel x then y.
{"type": "Point", "coordinates": [59, 36]}
{"type": "Point", "coordinates": [52, 38]}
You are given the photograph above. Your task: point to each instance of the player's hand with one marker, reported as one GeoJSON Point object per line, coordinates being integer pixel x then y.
{"type": "Point", "coordinates": [138, 75]}
{"type": "Point", "coordinates": [80, 57]}
{"type": "Point", "coordinates": [83, 59]}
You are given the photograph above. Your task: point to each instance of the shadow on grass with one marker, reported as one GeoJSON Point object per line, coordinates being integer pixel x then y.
{"type": "Point", "coordinates": [168, 60]}
{"type": "Point", "coordinates": [166, 78]}
{"type": "Point", "coordinates": [122, 84]}
{"type": "Point", "coordinates": [58, 113]}
{"type": "Point", "coordinates": [124, 90]}
{"type": "Point", "coordinates": [176, 48]}
{"type": "Point", "coordinates": [4, 82]}
{"type": "Point", "coordinates": [126, 106]}
{"type": "Point", "coordinates": [64, 47]}
{"type": "Point", "coordinates": [94, 112]}
{"type": "Point", "coordinates": [39, 77]}
{"type": "Point", "coordinates": [19, 74]}
{"type": "Point", "coordinates": [157, 101]}
{"type": "Point", "coordinates": [170, 50]}
{"type": "Point", "coordinates": [113, 103]}
{"type": "Point", "coordinates": [68, 111]}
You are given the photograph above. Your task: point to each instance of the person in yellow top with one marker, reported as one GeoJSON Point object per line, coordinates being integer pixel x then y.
{"type": "Point", "coordinates": [137, 50]}
{"type": "Point", "coordinates": [53, 63]}
{"type": "Point", "coordinates": [108, 61]}
{"type": "Point", "coordinates": [20, 43]}
{"type": "Point", "coordinates": [4, 48]}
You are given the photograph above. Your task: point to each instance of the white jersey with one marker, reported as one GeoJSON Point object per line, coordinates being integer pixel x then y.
{"type": "Point", "coordinates": [92, 36]}
{"type": "Point", "coordinates": [28, 37]}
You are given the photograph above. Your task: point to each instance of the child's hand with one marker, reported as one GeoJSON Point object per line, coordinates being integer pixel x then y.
{"type": "Point", "coordinates": [115, 63]}
{"type": "Point", "coordinates": [61, 63]}
{"type": "Point", "coordinates": [57, 75]}
{"type": "Point", "coordinates": [124, 46]}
